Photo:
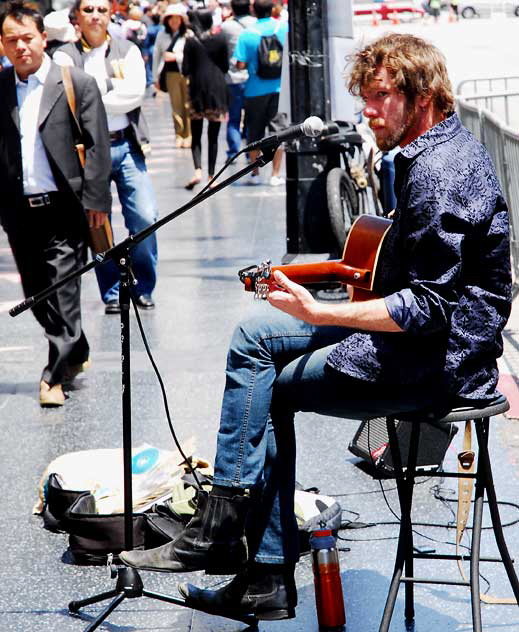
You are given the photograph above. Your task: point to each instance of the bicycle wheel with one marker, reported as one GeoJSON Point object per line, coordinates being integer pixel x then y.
{"type": "Point", "coordinates": [343, 203]}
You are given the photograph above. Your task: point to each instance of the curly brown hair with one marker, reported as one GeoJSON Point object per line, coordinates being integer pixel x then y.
{"type": "Point", "coordinates": [417, 68]}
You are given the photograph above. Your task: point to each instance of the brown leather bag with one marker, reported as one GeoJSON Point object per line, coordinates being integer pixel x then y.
{"type": "Point", "coordinates": [101, 238]}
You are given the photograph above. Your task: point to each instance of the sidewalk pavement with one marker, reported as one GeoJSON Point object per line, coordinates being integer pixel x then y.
{"type": "Point", "coordinates": [199, 299]}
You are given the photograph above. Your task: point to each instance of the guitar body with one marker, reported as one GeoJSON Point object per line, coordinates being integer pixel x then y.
{"type": "Point", "coordinates": [362, 250]}
{"type": "Point", "coordinates": [356, 268]}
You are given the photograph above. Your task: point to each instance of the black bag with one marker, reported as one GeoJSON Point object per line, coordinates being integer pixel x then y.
{"type": "Point", "coordinates": [162, 80]}
{"type": "Point", "coordinates": [93, 536]}
{"type": "Point", "coordinates": [162, 76]}
{"type": "Point", "coordinates": [270, 56]}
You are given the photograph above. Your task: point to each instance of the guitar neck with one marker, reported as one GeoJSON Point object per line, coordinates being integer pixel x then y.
{"type": "Point", "coordinates": [322, 272]}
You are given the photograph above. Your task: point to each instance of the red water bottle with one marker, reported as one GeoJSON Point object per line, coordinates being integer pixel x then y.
{"type": "Point", "coordinates": [327, 581]}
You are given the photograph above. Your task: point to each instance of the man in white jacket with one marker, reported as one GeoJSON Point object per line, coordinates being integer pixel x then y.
{"type": "Point", "coordinates": [118, 68]}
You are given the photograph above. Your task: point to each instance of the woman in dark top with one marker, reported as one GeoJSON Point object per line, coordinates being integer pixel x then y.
{"type": "Point", "coordinates": [205, 63]}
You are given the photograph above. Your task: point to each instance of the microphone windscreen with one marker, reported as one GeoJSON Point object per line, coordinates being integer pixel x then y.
{"type": "Point", "coordinates": [313, 126]}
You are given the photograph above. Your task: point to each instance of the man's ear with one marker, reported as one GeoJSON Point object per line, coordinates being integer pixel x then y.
{"type": "Point", "coordinates": [45, 39]}
{"type": "Point", "coordinates": [423, 101]}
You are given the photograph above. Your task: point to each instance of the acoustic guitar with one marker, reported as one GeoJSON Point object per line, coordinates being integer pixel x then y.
{"type": "Point", "coordinates": [356, 268]}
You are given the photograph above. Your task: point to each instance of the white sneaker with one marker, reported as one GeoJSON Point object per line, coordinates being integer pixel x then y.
{"type": "Point", "coordinates": [276, 181]}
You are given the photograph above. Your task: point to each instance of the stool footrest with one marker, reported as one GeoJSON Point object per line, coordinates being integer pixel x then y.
{"type": "Point", "coordinates": [447, 556]}
{"type": "Point", "coordinates": [427, 580]}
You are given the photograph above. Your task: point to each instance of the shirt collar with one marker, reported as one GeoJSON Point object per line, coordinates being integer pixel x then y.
{"type": "Point", "coordinates": [439, 133]}
{"type": "Point", "coordinates": [40, 75]}
{"type": "Point", "coordinates": [86, 48]}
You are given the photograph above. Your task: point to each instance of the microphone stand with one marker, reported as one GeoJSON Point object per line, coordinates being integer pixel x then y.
{"type": "Point", "coordinates": [129, 584]}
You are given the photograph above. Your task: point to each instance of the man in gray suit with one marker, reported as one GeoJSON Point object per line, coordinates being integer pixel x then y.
{"type": "Point", "coordinates": [47, 200]}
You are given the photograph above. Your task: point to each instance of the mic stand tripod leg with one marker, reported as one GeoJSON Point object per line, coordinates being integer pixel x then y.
{"type": "Point", "coordinates": [130, 586]}
{"type": "Point", "coordinates": [129, 583]}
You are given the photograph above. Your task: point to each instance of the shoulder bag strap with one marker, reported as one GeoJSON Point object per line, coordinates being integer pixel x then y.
{"type": "Point", "coordinates": [71, 99]}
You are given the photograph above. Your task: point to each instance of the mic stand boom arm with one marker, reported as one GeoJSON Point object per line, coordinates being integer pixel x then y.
{"type": "Point", "coordinates": [121, 249]}
{"type": "Point", "coordinates": [129, 583]}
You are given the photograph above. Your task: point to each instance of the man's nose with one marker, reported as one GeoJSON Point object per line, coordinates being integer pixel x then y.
{"type": "Point", "coordinates": [369, 111]}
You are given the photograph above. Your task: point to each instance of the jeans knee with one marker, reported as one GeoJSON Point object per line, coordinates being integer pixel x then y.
{"type": "Point", "coordinates": [248, 333]}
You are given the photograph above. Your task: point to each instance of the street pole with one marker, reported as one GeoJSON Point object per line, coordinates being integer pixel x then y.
{"type": "Point", "coordinates": [308, 226]}
{"type": "Point", "coordinates": [320, 37]}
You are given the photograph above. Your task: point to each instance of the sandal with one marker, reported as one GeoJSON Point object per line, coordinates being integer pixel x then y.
{"type": "Point", "coordinates": [192, 183]}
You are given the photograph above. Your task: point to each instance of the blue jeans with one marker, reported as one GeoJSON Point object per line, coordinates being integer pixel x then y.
{"type": "Point", "coordinates": [139, 210]}
{"type": "Point", "coordinates": [234, 135]}
{"type": "Point", "coordinates": [276, 367]}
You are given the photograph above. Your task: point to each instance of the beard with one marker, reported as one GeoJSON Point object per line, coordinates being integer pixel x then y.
{"type": "Point", "coordinates": [393, 138]}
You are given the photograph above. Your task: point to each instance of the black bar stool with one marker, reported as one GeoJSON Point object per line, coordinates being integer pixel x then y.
{"type": "Point", "coordinates": [484, 483]}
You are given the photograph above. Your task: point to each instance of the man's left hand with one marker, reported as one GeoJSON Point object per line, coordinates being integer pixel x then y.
{"type": "Point", "coordinates": [294, 299]}
{"type": "Point", "coordinates": [96, 218]}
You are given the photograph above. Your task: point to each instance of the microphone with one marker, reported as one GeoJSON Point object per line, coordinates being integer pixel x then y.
{"type": "Point", "coordinates": [312, 126]}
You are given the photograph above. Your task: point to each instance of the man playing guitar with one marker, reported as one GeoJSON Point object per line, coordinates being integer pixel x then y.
{"type": "Point", "coordinates": [433, 336]}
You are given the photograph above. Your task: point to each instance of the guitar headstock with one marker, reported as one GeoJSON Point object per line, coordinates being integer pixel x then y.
{"type": "Point", "coordinates": [254, 278]}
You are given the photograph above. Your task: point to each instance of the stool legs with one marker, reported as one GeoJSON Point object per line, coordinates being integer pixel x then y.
{"type": "Point", "coordinates": [475, 545]}
{"type": "Point", "coordinates": [404, 556]}
{"type": "Point", "coordinates": [482, 431]}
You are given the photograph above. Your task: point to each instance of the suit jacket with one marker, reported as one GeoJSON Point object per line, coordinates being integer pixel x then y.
{"type": "Point", "coordinates": [89, 189]}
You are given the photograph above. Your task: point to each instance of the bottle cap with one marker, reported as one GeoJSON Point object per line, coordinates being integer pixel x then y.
{"type": "Point", "coordinates": [322, 532]}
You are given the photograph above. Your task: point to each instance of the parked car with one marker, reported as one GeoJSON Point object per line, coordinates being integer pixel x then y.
{"type": "Point", "coordinates": [469, 9]}
{"type": "Point", "coordinates": [386, 9]}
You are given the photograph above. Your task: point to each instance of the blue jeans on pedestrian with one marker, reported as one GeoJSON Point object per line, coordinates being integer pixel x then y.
{"type": "Point", "coordinates": [234, 135]}
{"type": "Point", "coordinates": [276, 366]}
{"type": "Point", "coordinates": [139, 209]}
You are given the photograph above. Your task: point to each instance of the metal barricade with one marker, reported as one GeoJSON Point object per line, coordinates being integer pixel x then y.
{"type": "Point", "coordinates": [487, 84]}
{"type": "Point", "coordinates": [500, 95]}
{"type": "Point", "coordinates": [470, 117]}
{"type": "Point", "coordinates": [511, 163]}
{"type": "Point", "coordinates": [493, 141]}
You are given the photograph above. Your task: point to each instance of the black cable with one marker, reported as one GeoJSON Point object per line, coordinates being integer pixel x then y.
{"type": "Point", "coordinates": [436, 490]}
{"type": "Point", "coordinates": [187, 460]}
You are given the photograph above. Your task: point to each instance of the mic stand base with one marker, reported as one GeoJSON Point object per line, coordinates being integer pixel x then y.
{"type": "Point", "coordinates": [129, 586]}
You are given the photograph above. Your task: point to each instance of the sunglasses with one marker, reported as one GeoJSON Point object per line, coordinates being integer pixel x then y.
{"type": "Point", "coordinates": [101, 10]}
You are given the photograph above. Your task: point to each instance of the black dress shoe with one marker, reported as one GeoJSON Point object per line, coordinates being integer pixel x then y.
{"type": "Point", "coordinates": [113, 307]}
{"type": "Point", "coordinates": [145, 302]}
{"type": "Point", "coordinates": [266, 591]}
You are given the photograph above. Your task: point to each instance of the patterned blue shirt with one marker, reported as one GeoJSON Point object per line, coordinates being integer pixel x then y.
{"type": "Point", "coordinates": [444, 272]}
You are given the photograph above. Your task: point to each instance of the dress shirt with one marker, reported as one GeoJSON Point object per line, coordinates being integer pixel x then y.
{"type": "Point", "coordinates": [444, 272]}
{"type": "Point", "coordinates": [120, 95]}
{"type": "Point", "coordinates": [37, 174]}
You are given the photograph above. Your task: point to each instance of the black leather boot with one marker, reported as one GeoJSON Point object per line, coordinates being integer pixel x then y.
{"type": "Point", "coordinates": [267, 591]}
{"type": "Point", "coordinates": [213, 540]}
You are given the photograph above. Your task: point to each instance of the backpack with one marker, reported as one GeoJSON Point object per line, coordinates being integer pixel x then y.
{"type": "Point", "coordinates": [270, 53]}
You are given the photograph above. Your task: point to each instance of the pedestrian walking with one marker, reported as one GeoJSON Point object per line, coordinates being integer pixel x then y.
{"type": "Point", "coordinates": [236, 77]}
{"type": "Point", "coordinates": [46, 195]}
{"type": "Point", "coordinates": [154, 27]}
{"type": "Point", "coordinates": [205, 63]}
{"type": "Point", "coordinates": [168, 56]}
{"type": "Point", "coordinates": [263, 85]}
{"type": "Point", "coordinates": [118, 68]}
